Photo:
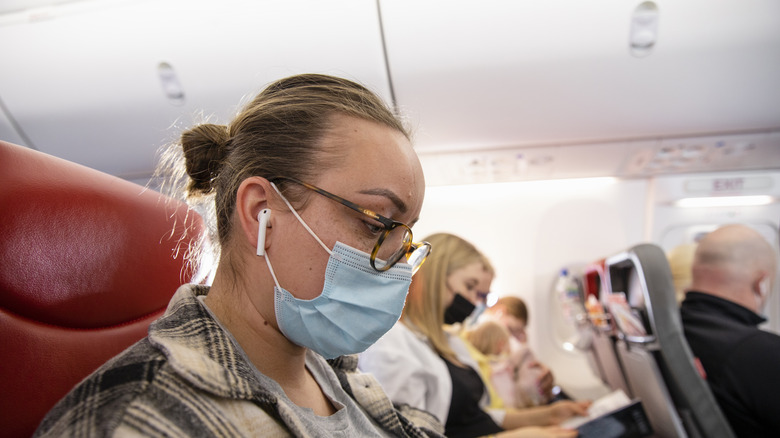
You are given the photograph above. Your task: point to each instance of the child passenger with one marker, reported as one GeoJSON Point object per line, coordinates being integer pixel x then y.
{"type": "Point", "coordinates": [534, 381]}
{"type": "Point", "coordinates": [513, 371]}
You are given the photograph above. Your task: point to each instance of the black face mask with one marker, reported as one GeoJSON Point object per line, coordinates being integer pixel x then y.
{"type": "Point", "coordinates": [458, 310]}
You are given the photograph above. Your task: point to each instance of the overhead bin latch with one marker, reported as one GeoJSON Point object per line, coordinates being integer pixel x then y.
{"type": "Point", "coordinates": [644, 29]}
{"type": "Point", "coordinates": [170, 84]}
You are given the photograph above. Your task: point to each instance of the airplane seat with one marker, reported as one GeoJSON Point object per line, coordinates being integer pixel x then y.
{"type": "Point", "coordinates": [657, 360]}
{"type": "Point", "coordinates": [602, 352]}
{"type": "Point", "coordinates": [88, 261]}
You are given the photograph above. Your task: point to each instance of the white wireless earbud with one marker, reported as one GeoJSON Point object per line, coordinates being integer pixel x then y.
{"type": "Point", "coordinates": [262, 217]}
{"type": "Point", "coordinates": [763, 287]}
{"type": "Point", "coordinates": [763, 294]}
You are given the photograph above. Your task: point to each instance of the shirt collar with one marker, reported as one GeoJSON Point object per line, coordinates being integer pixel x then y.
{"type": "Point", "coordinates": [727, 307]}
{"type": "Point", "coordinates": [198, 349]}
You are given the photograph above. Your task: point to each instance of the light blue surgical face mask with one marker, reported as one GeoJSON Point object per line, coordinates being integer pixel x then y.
{"type": "Point", "coordinates": [356, 307]}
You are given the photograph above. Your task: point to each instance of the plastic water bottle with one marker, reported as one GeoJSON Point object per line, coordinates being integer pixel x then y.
{"type": "Point", "coordinates": [573, 312]}
{"type": "Point", "coordinates": [570, 298]}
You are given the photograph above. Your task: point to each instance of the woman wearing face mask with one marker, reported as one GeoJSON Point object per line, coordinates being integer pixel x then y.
{"type": "Point", "coordinates": [314, 186]}
{"type": "Point", "coordinates": [420, 363]}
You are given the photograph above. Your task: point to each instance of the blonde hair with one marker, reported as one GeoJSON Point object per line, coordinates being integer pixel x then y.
{"type": "Point", "coordinates": [276, 134]}
{"type": "Point", "coordinates": [681, 263]}
{"type": "Point", "coordinates": [488, 337]}
{"type": "Point", "coordinates": [424, 309]}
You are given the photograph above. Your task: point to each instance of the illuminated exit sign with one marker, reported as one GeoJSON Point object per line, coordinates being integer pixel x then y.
{"type": "Point", "coordinates": [736, 185]}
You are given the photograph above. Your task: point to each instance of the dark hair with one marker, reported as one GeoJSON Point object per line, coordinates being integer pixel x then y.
{"type": "Point", "coordinates": [514, 306]}
{"type": "Point", "coordinates": [277, 134]}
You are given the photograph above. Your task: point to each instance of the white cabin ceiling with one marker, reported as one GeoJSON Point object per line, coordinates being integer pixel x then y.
{"type": "Point", "coordinates": [503, 74]}
{"type": "Point", "coordinates": [85, 84]}
{"type": "Point", "coordinates": [482, 82]}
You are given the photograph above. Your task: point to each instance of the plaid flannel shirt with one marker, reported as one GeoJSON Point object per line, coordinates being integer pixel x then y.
{"type": "Point", "coordinates": [186, 379]}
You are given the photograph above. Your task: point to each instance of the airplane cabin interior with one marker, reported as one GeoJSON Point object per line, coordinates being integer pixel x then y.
{"type": "Point", "coordinates": [594, 137]}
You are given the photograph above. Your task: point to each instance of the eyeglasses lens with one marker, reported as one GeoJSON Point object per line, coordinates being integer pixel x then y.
{"type": "Point", "coordinates": [417, 257]}
{"type": "Point", "coordinates": [393, 247]}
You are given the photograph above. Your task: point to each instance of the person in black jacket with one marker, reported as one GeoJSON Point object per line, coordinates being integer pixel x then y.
{"type": "Point", "coordinates": [733, 272]}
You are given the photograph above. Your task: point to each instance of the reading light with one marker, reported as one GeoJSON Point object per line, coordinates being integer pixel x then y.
{"type": "Point", "coordinates": [725, 201]}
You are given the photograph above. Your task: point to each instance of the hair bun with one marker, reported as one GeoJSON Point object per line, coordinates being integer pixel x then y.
{"type": "Point", "coordinates": [205, 147]}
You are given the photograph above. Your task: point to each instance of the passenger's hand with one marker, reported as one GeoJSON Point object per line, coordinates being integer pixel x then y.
{"type": "Point", "coordinates": [545, 382]}
{"type": "Point", "coordinates": [564, 409]}
{"type": "Point", "coordinates": [539, 432]}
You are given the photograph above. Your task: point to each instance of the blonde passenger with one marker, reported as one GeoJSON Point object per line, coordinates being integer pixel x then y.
{"type": "Point", "coordinates": [491, 338]}
{"type": "Point", "coordinates": [680, 261]}
{"type": "Point", "coordinates": [313, 184]}
{"type": "Point", "coordinates": [421, 364]}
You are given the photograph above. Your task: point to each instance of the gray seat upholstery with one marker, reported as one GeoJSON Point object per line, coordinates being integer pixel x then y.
{"type": "Point", "coordinates": [659, 365]}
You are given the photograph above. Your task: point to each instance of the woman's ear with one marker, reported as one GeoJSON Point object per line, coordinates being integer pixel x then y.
{"type": "Point", "coordinates": [252, 211]}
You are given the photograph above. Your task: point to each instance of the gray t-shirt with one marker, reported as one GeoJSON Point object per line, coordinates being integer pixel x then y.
{"type": "Point", "coordinates": [350, 420]}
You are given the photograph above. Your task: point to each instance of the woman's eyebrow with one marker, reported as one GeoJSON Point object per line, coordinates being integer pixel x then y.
{"type": "Point", "coordinates": [389, 194]}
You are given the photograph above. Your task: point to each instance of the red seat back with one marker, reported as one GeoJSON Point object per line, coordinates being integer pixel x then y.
{"type": "Point", "coordinates": [87, 262]}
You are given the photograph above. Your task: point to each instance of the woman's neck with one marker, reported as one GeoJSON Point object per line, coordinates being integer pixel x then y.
{"type": "Point", "coordinates": [248, 316]}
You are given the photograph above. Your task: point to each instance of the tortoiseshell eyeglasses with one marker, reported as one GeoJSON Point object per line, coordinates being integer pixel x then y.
{"type": "Point", "coordinates": [394, 242]}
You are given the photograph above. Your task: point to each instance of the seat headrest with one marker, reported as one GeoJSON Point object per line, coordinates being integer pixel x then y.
{"type": "Point", "coordinates": [87, 262]}
{"type": "Point", "coordinates": [76, 241]}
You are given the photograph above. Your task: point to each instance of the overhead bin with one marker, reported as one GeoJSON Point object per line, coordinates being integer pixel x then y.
{"type": "Point", "coordinates": [501, 74]}
{"type": "Point", "coordinates": [105, 83]}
